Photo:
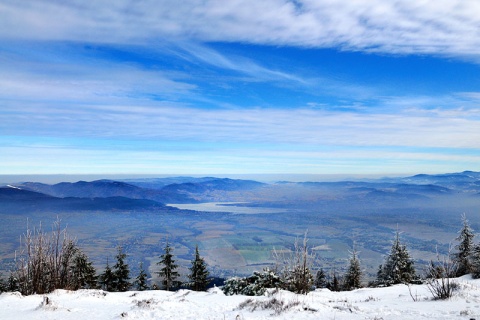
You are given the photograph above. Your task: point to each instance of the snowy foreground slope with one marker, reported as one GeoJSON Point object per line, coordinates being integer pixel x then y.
{"type": "Point", "coordinates": [382, 303]}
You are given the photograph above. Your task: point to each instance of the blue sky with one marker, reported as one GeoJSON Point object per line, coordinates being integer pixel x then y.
{"type": "Point", "coordinates": [239, 87]}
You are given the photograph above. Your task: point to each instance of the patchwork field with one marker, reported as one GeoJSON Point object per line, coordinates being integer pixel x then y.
{"type": "Point", "coordinates": [232, 244]}
{"type": "Point", "coordinates": [248, 222]}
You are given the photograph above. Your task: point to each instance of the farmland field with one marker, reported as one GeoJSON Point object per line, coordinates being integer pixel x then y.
{"type": "Point", "coordinates": [244, 226]}
{"type": "Point", "coordinates": [231, 243]}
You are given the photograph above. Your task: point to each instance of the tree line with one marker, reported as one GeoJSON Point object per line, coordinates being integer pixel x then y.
{"type": "Point", "coordinates": [50, 261]}
{"type": "Point", "coordinates": [296, 274]}
{"type": "Point", "coordinates": [54, 261]}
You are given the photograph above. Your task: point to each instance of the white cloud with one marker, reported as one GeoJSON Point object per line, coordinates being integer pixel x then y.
{"type": "Point", "coordinates": [314, 127]}
{"type": "Point", "coordinates": [65, 156]}
{"type": "Point", "coordinates": [61, 73]}
{"type": "Point", "coordinates": [48, 94]}
{"type": "Point", "coordinates": [440, 27]}
{"type": "Point", "coordinates": [245, 66]}
{"type": "Point", "coordinates": [80, 82]}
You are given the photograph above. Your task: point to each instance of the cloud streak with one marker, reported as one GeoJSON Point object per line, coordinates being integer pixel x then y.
{"type": "Point", "coordinates": [239, 64]}
{"type": "Point", "coordinates": [305, 126]}
{"type": "Point", "coordinates": [75, 159]}
{"type": "Point", "coordinates": [152, 85]}
{"type": "Point", "coordinates": [77, 81]}
{"type": "Point", "coordinates": [445, 27]}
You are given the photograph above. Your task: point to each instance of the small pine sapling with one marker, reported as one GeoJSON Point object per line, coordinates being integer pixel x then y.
{"type": "Point", "coordinates": [122, 272]}
{"type": "Point", "coordinates": [354, 273]}
{"type": "Point", "coordinates": [198, 273]}
{"type": "Point", "coordinates": [463, 256]}
{"type": "Point", "coordinates": [107, 279]}
{"type": "Point", "coordinates": [168, 269]}
{"type": "Point", "coordinates": [141, 279]}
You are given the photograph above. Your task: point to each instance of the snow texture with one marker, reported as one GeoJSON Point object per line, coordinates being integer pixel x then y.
{"type": "Point", "coordinates": [395, 302]}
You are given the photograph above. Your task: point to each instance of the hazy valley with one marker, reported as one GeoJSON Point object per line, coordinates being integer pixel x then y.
{"type": "Point", "coordinates": [239, 223]}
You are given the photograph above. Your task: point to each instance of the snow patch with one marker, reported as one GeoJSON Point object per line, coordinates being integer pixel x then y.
{"type": "Point", "coordinates": [392, 303]}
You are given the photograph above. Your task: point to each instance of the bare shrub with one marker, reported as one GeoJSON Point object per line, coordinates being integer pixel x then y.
{"type": "Point", "coordinates": [45, 260]}
{"type": "Point", "coordinates": [295, 268]}
{"type": "Point", "coordinates": [246, 303]}
{"type": "Point", "coordinates": [439, 281]}
{"type": "Point", "coordinates": [278, 306]}
{"type": "Point", "coordinates": [442, 288]}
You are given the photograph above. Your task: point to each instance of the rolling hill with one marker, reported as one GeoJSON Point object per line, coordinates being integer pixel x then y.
{"type": "Point", "coordinates": [22, 201]}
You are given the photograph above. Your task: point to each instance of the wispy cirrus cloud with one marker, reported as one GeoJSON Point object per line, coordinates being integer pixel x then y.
{"type": "Point", "coordinates": [446, 27]}
{"type": "Point", "coordinates": [304, 126]}
{"type": "Point", "coordinates": [37, 72]}
{"type": "Point", "coordinates": [193, 157]}
{"type": "Point", "coordinates": [55, 77]}
{"type": "Point", "coordinates": [145, 85]}
{"type": "Point", "coordinates": [239, 64]}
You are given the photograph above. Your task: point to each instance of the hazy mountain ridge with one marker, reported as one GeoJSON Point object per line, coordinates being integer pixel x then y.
{"type": "Point", "coordinates": [16, 194]}
{"type": "Point", "coordinates": [392, 187]}
{"type": "Point", "coordinates": [84, 189]}
{"type": "Point", "coordinates": [159, 183]}
{"type": "Point", "coordinates": [419, 190]}
{"type": "Point", "coordinates": [186, 192]}
{"type": "Point", "coordinates": [103, 189]}
{"type": "Point", "coordinates": [466, 181]}
{"type": "Point", "coordinates": [20, 201]}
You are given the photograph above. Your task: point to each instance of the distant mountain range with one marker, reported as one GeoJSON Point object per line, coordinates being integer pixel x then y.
{"type": "Point", "coordinates": [116, 195]}
{"type": "Point", "coordinates": [462, 181]}
{"type": "Point", "coordinates": [19, 200]}
{"type": "Point", "coordinates": [467, 182]}
{"type": "Point", "coordinates": [148, 194]}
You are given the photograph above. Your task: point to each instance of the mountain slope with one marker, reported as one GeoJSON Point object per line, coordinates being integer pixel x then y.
{"type": "Point", "coordinates": [15, 200]}
{"type": "Point", "coordinates": [104, 189]}
{"type": "Point", "coordinates": [159, 183]}
{"type": "Point", "coordinates": [418, 190]}
{"type": "Point", "coordinates": [188, 192]}
{"type": "Point", "coordinates": [466, 181]}
{"type": "Point", "coordinates": [83, 189]}
{"type": "Point", "coordinates": [16, 194]}
{"type": "Point", "coordinates": [214, 184]}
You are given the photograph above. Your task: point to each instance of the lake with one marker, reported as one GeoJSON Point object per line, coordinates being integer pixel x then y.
{"type": "Point", "coordinates": [230, 207]}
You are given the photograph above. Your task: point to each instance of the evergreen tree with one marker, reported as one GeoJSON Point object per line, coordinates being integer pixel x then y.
{"type": "Point", "coordinates": [398, 266]}
{"type": "Point", "coordinates": [334, 284]}
{"type": "Point", "coordinates": [380, 275]}
{"type": "Point", "coordinates": [168, 270]}
{"type": "Point", "coordinates": [121, 272]}
{"type": "Point", "coordinates": [476, 261]}
{"type": "Point", "coordinates": [465, 247]}
{"type": "Point", "coordinates": [354, 274]}
{"type": "Point", "coordinates": [141, 280]}
{"type": "Point", "coordinates": [3, 284]}
{"type": "Point", "coordinates": [83, 273]}
{"type": "Point", "coordinates": [321, 279]}
{"type": "Point", "coordinates": [198, 273]}
{"type": "Point", "coordinates": [436, 270]}
{"type": "Point", "coordinates": [107, 279]}
{"type": "Point", "coordinates": [12, 283]}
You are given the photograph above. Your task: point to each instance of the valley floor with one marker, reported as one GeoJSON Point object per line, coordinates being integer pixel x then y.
{"type": "Point", "coordinates": [390, 303]}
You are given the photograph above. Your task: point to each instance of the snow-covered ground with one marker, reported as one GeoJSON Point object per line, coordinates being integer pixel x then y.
{"type": "Point", "coordinates": [390, 303]}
